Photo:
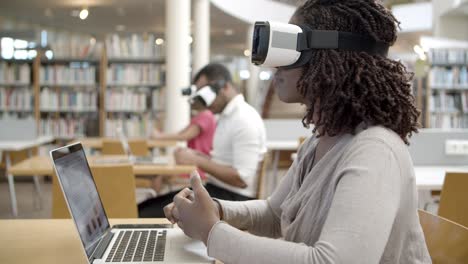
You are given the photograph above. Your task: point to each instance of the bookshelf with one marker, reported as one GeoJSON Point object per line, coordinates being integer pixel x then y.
{"type": "Point", "coordinates": [72, 97]}
{"type": "Point", "coordinates": [134, 81]}
{"type": "Point", "coordinates": [16, 89]}
{"type": "Point", "coordinates": [68, 97]}
{"type": "Point", "coordinates": [447, 98]}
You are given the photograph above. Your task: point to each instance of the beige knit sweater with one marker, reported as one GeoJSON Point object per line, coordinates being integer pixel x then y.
{"type": "Point", "coordinates": [358, 204]}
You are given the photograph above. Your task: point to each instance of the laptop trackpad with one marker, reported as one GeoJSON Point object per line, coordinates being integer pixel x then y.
{"type": "Point", "coordinates": [185, 249]}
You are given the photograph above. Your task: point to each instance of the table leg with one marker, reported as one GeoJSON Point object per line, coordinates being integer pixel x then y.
{"type": "Point", "coordinates": [11, 186]}
{"type": "Point", "coordinates": [274, 176]}
{"type": "Point", "coordinates": [37, 184]}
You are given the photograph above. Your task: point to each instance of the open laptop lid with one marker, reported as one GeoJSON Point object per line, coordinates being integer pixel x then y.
{"type": "Point", "coordinates": [81, 195]}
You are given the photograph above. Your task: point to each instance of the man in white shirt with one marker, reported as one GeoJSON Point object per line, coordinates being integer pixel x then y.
{"type": "Point", "coordinates": [238, 147]}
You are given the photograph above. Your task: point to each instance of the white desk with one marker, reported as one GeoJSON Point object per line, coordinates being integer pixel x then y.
{"type": "Point", "coordinates": [429, 178]}
{"type": "Point", "coordinates": [6, 147]}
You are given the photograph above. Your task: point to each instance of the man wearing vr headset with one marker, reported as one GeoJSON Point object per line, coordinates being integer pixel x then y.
{"type": "Point", "coordinates": [350, 196]}
{"type": "Point", "coordinates": [238, 147]}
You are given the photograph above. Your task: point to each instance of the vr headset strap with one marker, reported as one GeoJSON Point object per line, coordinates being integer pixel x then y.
{"type": "Point", "coordinates": [331, 39]}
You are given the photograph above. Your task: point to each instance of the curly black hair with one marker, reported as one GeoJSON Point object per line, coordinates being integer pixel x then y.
{"type": "Point", "coordinates": [347, 88]}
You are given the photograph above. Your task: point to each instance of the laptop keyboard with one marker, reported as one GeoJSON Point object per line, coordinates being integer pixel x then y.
{"type": "Point", "coordinates": [138, 246]}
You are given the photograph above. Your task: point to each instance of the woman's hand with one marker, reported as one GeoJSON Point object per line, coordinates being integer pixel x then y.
{"type": "Point", "coordinates": [194, 211]}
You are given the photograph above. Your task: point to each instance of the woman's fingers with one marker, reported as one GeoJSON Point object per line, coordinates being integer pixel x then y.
{"type": "Point", "coordinates": [168, 212]}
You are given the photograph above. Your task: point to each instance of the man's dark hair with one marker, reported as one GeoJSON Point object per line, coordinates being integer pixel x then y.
{"type": "Point", "coordinates": [215, 73]}
{"type": "Point", "coordinates": [355, 87]}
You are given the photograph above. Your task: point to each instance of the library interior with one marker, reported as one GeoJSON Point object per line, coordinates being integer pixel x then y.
{"type": "Point", "coordinates": [247, 131]}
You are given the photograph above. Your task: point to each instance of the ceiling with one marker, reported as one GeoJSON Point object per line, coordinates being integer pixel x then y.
{"type": "Point", "coordinates": [135, 15]}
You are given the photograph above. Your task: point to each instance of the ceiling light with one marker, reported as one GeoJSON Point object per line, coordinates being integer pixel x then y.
{"type": "Point", "coordinates": [247, 53]}
{"type": "Point", "coordinates": [159, 41]}
{"type": "Point", "coordinates": [190, 39]}
{"type": "Point", "coordinates": [264, 75]}
{"type": "Point", "coordinates": [84, 13]}
{"type": "Point", "coordinates": [244, 74]}
{"type": "Point", "coordinates": [120, 27]}
{"type": "Point", "coordinates": [228, 32]}
{"type": "Point", "coordinates": [49, 54]}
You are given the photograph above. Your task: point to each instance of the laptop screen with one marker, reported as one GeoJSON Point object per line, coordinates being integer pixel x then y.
{"type": "Point", "coordinates": [81, 194]}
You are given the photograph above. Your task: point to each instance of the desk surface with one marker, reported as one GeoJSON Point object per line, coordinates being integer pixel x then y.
{"type": "Point", "coordinates": [47, 240]}
{"type": "Point", "coordinates": [96, 142]}
{"type": "Point", "coordinates": [24, 144]}
{"type": "Point", "coordinates": [282, 144]}
{"type": "Point", "coordinates": [42, 165]}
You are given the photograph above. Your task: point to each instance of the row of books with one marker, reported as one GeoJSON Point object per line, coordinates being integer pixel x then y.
{"type": "Point", "coordinates": [68, 100]}
{"type": "Point", "coordinates": [134, 46]}
{"type": "Point", "coordinates": [157, 99]}
{"type": "Point", "coordinates": [70, 127]}
{"type": "Point", "coordinates": [134, 74]}
{"type": "Point", "coordinates": [72, 45]}
{"type": "Point", "coordinates": [449, 56]}
{"type": "Point", "coordinates": [133, 125]}
{"type": "Point", "coordinates": [446, 121]}
{"type": "Point", "coordinates": [126, 100]}
{"type": "Point", "coordinates": [16, 99]}
{"type": "Point", "coordinates": [61, 74]}
{"type": "Point", "coordinates": [455, 77]}
{"type": "Point", "coordinates": [13, 73]}
{"type": "Point", "coordinates": [449, 103]}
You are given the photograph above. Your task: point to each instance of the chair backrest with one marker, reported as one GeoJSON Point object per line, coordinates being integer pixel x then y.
{"type": "Point", "coordinates": [261, 173]}
{"type": "Point", "coordinates": [454, 198]}
{"type": "Point", "coordinates": [138, 147]}
{"type": "Point", "coordinates": [446, 240]}
{"type": "Point", "coordinates": [116, 187]}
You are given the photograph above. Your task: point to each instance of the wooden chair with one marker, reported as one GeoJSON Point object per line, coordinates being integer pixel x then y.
{"type": "Point", "coordinates": [454, 198]}
{"type": "Point", "coordinates": [138, 147]}
{"type": "Point", "coordinates": [446, 240]}
{"type": "Point", "coordinates": [262, 171]}
{"type": "Point", "coordinates": [116, 187]}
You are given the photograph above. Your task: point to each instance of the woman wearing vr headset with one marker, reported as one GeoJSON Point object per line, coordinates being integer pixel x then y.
{"type": "Point", "coordinates": [350, 196]}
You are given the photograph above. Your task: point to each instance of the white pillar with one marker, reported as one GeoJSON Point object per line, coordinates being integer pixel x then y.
{"type": "Point", "coordinates": [177, 64]}
{"type": "Point", "coordinates": [201, 43]}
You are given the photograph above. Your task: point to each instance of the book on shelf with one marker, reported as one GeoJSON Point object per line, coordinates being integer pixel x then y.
{"type": "Point", "coordinates": [63, 75]}
{"type": "Point", "coordinates": [449, 78]}
{"type": "Point", "coordinates": [134, 74]}
{"type": "Point", "coordinates": [66, 45]}
{"type": "Point", "coordinates": [133, 125]}
{"type": "Point", "coordinates": [449, 56]}
{"type": "Point", "coordinates": [157, 100]}
{"type": "Point", "coordinates": [70, 127]}
{"type": "Point", "coordinates": [445, 121]}
{"type": "Point", "coordinates": [14, 73]}
{"type": "Point", "coordinates": [16, 99]}
{"type": "Point", "coordinates": [126, 99]}
{"type": "Point", "coordinates": [134, 46]}
{"type": "Point", "coordinates": [68, 100]}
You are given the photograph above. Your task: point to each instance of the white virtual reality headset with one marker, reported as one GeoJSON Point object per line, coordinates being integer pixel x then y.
{"type": "Point", "coordinates": [206, 95]}
{"type": "Point", "coordinates": [285, 45]}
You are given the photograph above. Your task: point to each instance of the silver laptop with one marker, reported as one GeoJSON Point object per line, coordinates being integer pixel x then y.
{"type": "Point", "coordinates": [138, 159]}
{"type": "Point", "coordinates": [117, 244]}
